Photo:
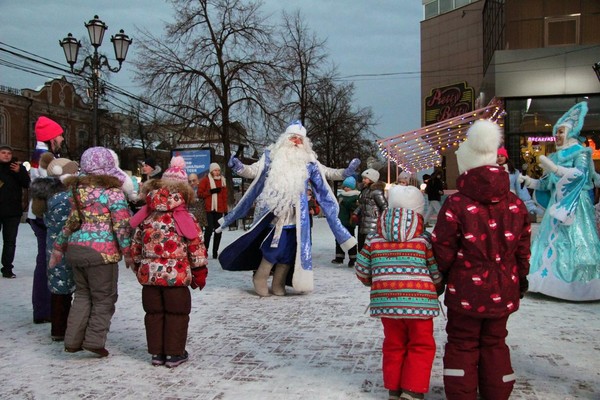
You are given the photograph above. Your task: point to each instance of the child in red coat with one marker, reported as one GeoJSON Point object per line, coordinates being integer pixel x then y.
{"type": "Point", "coordinates": [481, 245]}
{"type": "Point", "coordinates": [169, 255]}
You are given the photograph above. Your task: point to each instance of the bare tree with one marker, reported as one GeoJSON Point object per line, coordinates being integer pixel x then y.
{"type": "Point", "coordinates": [304, 57]}
{"type": "Point", "coordinates": [213, 65]}
{"type": "Point", "coordinates": [339, 132]}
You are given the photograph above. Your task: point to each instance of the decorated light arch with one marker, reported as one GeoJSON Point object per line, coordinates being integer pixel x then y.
{"type": "Point", "coordinates": [421, 149]}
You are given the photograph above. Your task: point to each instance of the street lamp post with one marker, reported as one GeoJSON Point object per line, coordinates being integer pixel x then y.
{"type": "Point", "coordinates": [96, 29]}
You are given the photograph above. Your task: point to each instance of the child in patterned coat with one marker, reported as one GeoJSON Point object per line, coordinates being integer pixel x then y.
{"type": "Point", "coordinates": [169, 255]}
{"type": "Point", "coordinates": [50, 201]}
{"type": "Point", "coordinates": [398, 264]}
{"type": "Point", "coordinates": [482, 246]}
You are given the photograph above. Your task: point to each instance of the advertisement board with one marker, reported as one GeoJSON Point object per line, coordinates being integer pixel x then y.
{"type": "Point", "coordinates": [197, 160]}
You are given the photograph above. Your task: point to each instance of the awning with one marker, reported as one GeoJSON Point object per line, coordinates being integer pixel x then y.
{"type": "Point", "coordinates": [421, 149]}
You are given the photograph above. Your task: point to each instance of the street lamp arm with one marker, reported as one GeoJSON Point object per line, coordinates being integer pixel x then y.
{"type": "Point", "coordinates": [91, 64]}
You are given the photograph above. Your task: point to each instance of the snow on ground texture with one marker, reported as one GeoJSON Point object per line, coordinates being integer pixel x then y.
{"type": "Point", "coordinates": [316, 346]}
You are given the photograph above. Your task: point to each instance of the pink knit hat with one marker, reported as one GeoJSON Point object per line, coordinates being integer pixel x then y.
{"type": "Point", "coordinates": [46, 129]}
{"type": "Point", "coordinates": [502, 152]}
{"type": "Point", "coordinates": [176, 170]}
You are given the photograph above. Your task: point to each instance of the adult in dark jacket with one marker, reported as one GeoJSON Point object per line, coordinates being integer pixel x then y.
{"type": "Point", "coordinates": [13, 179]}
{"type": "Point", "coordinates": [371, 203]}
{"type": "Point", "coordinates": [434, 191]}
{"type": "Point", "coordinates": [481, 246]}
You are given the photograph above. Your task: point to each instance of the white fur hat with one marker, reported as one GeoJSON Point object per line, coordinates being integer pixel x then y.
{"type": "Point", "coordinates": [296, 128]}
{"type": "Point", "coordinates": [213, 166]}
{"type": "Point", "coordinates": [371, 174]}
{"type": "Point", "coordinates": [408, 197]}
{"type": "Point", "coordinates": [480, 147]}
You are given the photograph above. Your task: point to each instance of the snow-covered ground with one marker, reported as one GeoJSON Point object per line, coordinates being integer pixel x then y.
{"type": "Point", "coordinates": [316, 346]}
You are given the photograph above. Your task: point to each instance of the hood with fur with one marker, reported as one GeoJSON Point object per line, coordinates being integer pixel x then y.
{"type": "Point", "coordinates": [166, 194]}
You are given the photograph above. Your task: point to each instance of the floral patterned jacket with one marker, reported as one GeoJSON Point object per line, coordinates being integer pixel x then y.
{"type": "Point", "coordinates": [162, 256]}
{"type": "Point", "coordinates": [104, 218]}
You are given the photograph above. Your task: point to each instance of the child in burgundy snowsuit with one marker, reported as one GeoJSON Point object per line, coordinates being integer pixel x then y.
{"type": "Point", "coordinates": [169, 255]}
{"type": "Point", "coordinates": [397, 263]}
{"type": "Point", "coordinates": [482, 246]}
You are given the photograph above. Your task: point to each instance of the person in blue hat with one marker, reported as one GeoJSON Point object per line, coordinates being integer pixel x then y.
{"type": "Point", "coordinates": [566, 252]}
{"type": "Point", "coordinates": [348, 201]}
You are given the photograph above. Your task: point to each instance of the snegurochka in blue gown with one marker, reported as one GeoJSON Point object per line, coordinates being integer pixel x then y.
{"type": "Point", "coordinates": [565, 254]}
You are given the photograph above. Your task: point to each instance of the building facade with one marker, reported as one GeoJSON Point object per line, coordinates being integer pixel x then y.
{"type": "Point", "coordinates": [534, 55]}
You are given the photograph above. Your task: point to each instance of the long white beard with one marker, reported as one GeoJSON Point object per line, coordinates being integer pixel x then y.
{"type": "Point", "coordinates": [287, 177]}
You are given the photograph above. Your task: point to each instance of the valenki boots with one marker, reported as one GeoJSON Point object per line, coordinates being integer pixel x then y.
{"type": "Point", "coordinates": [279, 276]}
{"type": "Point", "coordinates": [260, 278]}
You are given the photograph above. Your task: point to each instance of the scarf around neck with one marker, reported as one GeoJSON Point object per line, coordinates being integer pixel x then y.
{"type": "Point", "coordinates": [214, 198]}
{"type": "Point", "coordinates": [184, 223]}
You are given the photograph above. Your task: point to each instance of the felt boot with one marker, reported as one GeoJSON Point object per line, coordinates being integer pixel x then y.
{"type": "Point", "coordinates": [278, 286]}
{"type": "Point", "coordinates": [260, 278]}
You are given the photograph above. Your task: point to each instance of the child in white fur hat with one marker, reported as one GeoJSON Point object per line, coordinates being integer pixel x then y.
{"type": "Point", "coordinates": [481, 244]}
{"type": "Point", "coordinates": [398, 264]}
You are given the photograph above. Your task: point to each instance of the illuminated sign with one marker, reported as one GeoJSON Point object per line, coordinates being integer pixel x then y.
{"type": "Point", "coordinates": [448, 102]}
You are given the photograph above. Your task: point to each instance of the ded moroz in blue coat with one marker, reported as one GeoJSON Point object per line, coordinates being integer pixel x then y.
{"type": "Point", "coordinates": [244, 254]}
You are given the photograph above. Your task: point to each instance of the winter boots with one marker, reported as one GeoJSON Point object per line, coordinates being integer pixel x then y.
{"type": "Point", "coordinates": [279, 277]}
{"type": "Point", "coordinates": [260, 278]}
{"type": "Point", "coordinates": [337, 260]}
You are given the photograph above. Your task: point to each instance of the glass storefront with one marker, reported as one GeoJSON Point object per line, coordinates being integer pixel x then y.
{"type": "Point", "coordinates": [528, 128]}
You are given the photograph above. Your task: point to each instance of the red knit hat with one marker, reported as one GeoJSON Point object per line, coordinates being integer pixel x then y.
{"type": "Point", "coordinates": [502, 152]}
{"type": "Point", "coordinates": [46, 129]}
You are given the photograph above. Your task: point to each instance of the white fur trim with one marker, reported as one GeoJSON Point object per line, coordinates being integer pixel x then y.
{"type": "Point", "coordinates": [509, 378]}
{"type": "Point", "coordinates": [348, 244]}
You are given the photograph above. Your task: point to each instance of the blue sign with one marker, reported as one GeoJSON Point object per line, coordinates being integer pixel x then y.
{"type": "Point", "coordinates": [197, 161]}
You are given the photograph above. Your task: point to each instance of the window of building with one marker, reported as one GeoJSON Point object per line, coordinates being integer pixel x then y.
{"type": "Point", "coordinates": [3, 128]}
{"type": "Point", "coordinates": [561, 31]}
{"type": "Point", "coordinates": [434, 8]}
{"type": "Point", "coordinates": [446, 5]}
{"type": "Point", "coordinates": [431, 9]}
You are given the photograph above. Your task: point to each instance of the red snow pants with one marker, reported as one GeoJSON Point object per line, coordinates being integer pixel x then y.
{"type": "Point", "coordinates": [476, 355]}
{"type": "Point", "coordinates": [408, 353]}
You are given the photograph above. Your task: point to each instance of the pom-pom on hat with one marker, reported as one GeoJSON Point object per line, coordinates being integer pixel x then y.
{"type": "Point", "coordinates": [371, 174]}
{"type": "Point", "coordinates": [502, 152]}
{"type": "Point", "coordinates": [62, 166]}
{"type": "Point", "coordinates": [99, 161]}
{"type": "Point", "coordinates": [176, 170]}
{"type": "Point", "coordinates": [296, 128]}
{"type": "Point", "coordinates": [45, 159]}
{"type": "Point", "coordinates": [213, 166]}
{"type": "Point", "coordinates": [349, 182]}
{"type": "Point", "coordinates": [46, 129]}
{"type": "Point", "coordinates": [408, 197]}
{"type": "Point", "coordinates": [480, 147]}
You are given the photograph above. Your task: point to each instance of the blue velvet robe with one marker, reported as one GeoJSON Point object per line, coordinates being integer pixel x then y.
{"type": "Point", "coordinates": [244, 253]}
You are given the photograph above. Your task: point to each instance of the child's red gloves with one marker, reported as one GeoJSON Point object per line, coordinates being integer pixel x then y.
{"type": "Point", "coordinates": [199, 278]}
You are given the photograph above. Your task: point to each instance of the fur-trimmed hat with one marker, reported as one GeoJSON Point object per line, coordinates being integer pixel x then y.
{"type": "Point", "coordinates": [408, 197]}
{"type": "Point", "coordinates": [99, 161]}
{"type": "Point", "coordinates": [176, 170]}
{"type": "Point", "coordinates": [371, 174]}
{"type": "Point", "coordinates": [62, 166]}
{"type": "Point", "coordinates": [480, 147]}
{"type": "Point", "coordinates": [213, 166]}
{"type": "Point", "coordinates": [296, 128]}
{"type": "Point", "coordinates": [349, 182]}
{"type": "Point", "coordinates": [5, 147]}
{"type": "Point", "coordinates": [46, 129]}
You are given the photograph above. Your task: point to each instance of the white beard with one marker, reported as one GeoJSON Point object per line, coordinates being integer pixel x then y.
{"type": "Point", "coordinates": [287, 176]}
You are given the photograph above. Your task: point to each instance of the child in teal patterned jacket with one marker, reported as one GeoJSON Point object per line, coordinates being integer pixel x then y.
{"type": "Point", "coordinates": [398, 264]}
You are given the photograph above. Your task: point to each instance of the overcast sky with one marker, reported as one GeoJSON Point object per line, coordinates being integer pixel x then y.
{"type": "Point", "coordinates": [363, 37]}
